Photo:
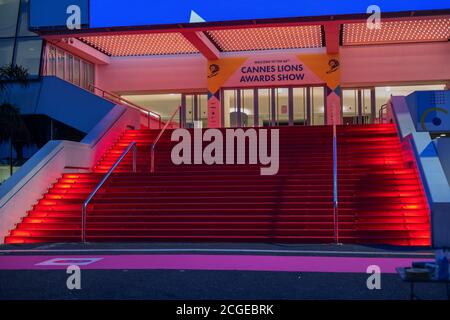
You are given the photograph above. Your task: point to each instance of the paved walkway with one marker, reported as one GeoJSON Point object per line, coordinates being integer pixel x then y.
{"type": "Point", "coordinates": [330, 264]}
{"type": "Point", "coordinates": [208, 271]}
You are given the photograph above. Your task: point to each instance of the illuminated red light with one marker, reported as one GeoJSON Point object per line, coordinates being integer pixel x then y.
{"type": "Point", "coordinates": [397, 31]}
{"type": "Point", "coordinates": [411, 206]}
{"type": "Point", "coordinates": [266, 38]}
{"type": "Point", "coordinates": [63, 186]}
{"type": "Point", "coordinates": [35, 221]}
{"type": "Point", "coordinates": [71, 176]}
{"type": "Point", "coordinates": [47, 203]}
{"type": "Point", "coordinates": [21, 233]}
{"type": "Point", "coordinates": [141, 44]}
{"type": "Point", "coordinates": [14, 241]}
{"type": "Point", "coordinates": [55, 197]}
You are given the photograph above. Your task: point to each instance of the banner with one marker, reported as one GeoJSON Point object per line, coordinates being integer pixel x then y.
{"type": "Point", "coordinates": [274, 70]}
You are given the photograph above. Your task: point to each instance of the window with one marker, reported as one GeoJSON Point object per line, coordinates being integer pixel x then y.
{"type": "Point", "coordinates": [69, 73]}
{"type": "Point", "coordinates": [23, 20]}
{"type": "Point", "coordinates": [164, 104]}
{"type": "Point", "coordinates": [18, 45]}
{"type": "Point", "coordinates": [76, 71]}
{"type": "Point", "coordinates": [88, 75]}
{"type": "Point", "coordinates": [60, 71]}
{"type": "Point", "coordinates": [91, 76]}
{"type": "Point", "coordinates": [9, 10]}
{"type": "Point", "coordinates": [69, 67]}
{"type": "Point", "coordinates": [84, 74]}
{"type": "Point", "coordinates": [28, 55]}
{"type": "Point", "coordinates": [6, 51]}
{"type": "Point", "coordinates": [51, 62]}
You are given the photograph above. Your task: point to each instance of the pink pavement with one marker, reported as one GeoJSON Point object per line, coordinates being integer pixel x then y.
{"type": "Point", "coordinates": [206, 262]}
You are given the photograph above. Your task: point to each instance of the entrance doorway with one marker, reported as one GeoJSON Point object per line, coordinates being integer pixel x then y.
{"type": "Point", "coordinates": [358, 106]}
{"type": "Point", "coordinates": [264, 107]}
{"type": "Point", "coordinates": [194, 110]}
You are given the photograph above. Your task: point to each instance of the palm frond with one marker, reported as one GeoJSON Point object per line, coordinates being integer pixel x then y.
{"type": "Point", "coordinates": [13, 73]}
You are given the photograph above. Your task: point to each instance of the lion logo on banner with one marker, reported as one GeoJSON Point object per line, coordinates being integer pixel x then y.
{"type": "Point", "coordinates": [334, 66]}
{"type": "Point", "coordinates": [213, 70]}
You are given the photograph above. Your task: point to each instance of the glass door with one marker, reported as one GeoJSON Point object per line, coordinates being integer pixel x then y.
{"type": "Point", "coordinates": [299, 104]}
{"type": "Point", "coordinates": [264, 107]}
{"type": "Point", "coordinates": [202, 110]}
{"type": "Point", "coordinates": [315, 99]}
{"type": "Point", "coordinates": [230, 108]}
{"type": "Point", "coordinates": [247, 108]}
{"type": "Point", "coordinates": [282, 102]}
{"type": "Point", "coordinates": [188, 111]}
{"type": "Point", "coordinates": [195, 110]}
{"type": "Point", "coordinates": [358, 106]}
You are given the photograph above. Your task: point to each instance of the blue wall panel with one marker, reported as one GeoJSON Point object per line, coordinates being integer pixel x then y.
{"type": "Point", "coordinates": [53, 13]}
{"type": "Point", "coordinates": [430, 110]}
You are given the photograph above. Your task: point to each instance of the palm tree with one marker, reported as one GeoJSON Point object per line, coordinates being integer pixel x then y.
{"type": "Point", "coordinates": [10, 74]}
{"type": "Point", "coordinates": [12, 127]}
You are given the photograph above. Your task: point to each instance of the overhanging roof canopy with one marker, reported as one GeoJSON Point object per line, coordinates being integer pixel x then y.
{"type": "Point", "coordinates": [273, 37]}
{"type": "Point", "coordinates": [142, 27]}
{"type": "Point", "coordinates": [226, 40]}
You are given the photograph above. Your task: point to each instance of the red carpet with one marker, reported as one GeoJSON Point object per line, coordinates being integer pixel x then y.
{"type": "Point", "coordinates": [380, 196]}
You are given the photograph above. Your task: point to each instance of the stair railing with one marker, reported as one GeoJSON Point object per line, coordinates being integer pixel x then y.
{"type": "Point", "coordinates": [381, 112]}
{"type": "Point", "coordinates": [153, 147]}
{"type": "Point", "coordinates": [335, 188]}
{"type": "Point", "coordinates": [132, 146]}
{"type": "Point", "coordinates": [116, 98]}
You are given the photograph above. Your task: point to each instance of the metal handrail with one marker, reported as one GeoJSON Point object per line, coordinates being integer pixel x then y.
{"type": "Point", "coordinates": [131, 104]}
{"type": "Point", "coordinates": [152, 152]}
{"type": "Point", "coordinates": [93, 193]}
{"type": "Point", "coordinates": [380, 113]}
{"type": "Point", "coordinates": [335, 188]}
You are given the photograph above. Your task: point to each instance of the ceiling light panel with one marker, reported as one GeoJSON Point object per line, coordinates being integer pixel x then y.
{"type": "Point", "coordinates": [141, 44]}
{"type": "Point", "coordinates": [414, 30]}
{"type": "Point", "coordinates": [267, 38]}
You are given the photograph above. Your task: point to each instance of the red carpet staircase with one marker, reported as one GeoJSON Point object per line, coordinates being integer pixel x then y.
{"type": "Point", "coordinates": [380, 197]}
{"type": "Point", "coordinates": [380, 194]}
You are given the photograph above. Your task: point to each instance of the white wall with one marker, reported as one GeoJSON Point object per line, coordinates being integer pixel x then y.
{"type": "Point", "coordinates": [399, 63]}
{"type": "Point", "coordinates": [127, 75]}
{"type": "Point", "coordinates": [361, 65]}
